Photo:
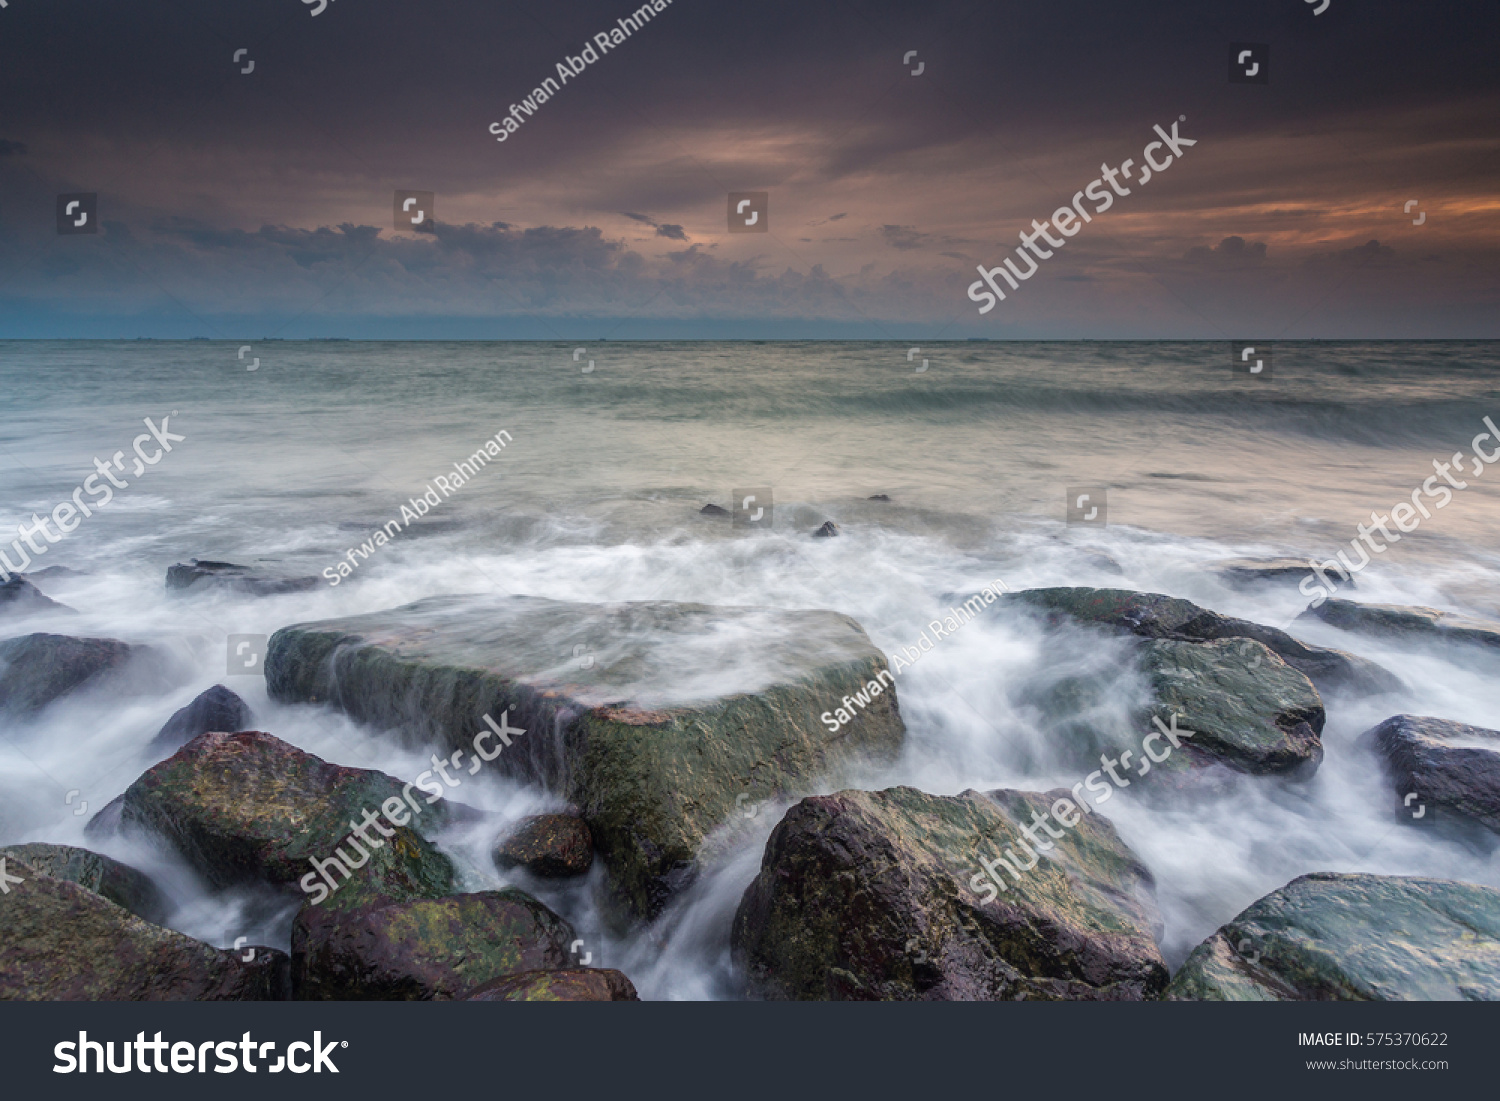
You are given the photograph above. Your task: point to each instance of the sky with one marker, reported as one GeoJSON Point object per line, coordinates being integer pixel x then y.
{"type": "Point", "coordinates": [901, 146]}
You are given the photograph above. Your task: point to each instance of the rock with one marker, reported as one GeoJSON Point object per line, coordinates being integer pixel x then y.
{"type": "Point", "coordinates": [1453, 768]}
{"type": "Point", "coordinates": [62, 942]}
{"type": "Point", "coordinates": [227, 576]}
{"type": "Point", "coordinates": [828, 529]}
{"type": "Point", "coordinates": [52, 573]}
{"type": "Point", "coordinates": [248, 807]}
{"type": "Point", "coordinates": [1105, 562]}
{"type": "Point", "coordinates": [1246, 573]}
{"type": "Point", "coordinates": [713, 510]}
{"type": "Point", "coordinates": [549, 845]}
{"type": "Point", "coordinates": [119, 883]}
{"type": "Point", "coordinates": [1397, 620]}
{"type": "Point", "coordinates": [688, 708]}
{"type": "Point", "coordinates": [18, 596]}
{"type": "Point", "coordinates": [217, 709]}
{"type": "Point", "coordinates": [38, 669]}
{"type": "Point", "coordinates": [1335, 937]}
{"type": "Point", "coordinates": [1152, 615]}
{"type": "Point", "coordinates": [879, 497]}
{"type": "Point", "coordinates": [1249, 709]}
{"type": "Point", "coordinates": [872, 896]}
{"type": "Point", "coordinates": [575, 984]}
{"type": "Point", "coordinates": [438, 948]}
{"type": "Point", "coordinates": [106, 823]}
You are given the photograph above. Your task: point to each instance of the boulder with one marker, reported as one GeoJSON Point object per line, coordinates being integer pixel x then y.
{"type": "Point", "coordinates": [1401, 621]}
{"type": "Point", "coordinates": [1248, 709]}
{"type": "Point", "coordinates": [880, 896]}
{"type": "Point", "coordinates": [201, 575]}
{"type": "Point", "coordinates": [62, 942]}
{"type": "Point", "coordinates": [687, 711]}
{"type": "Point", "coordinates": [359, 946]}
{"type": "Point", "coordinates": [119, 883]}
{"type": "Point", "coordinates": [37, 669]}
{"type": "Point", "coordinates": [576, 984]}
{"type": "Point", "coordinates": [249, 808]}
{"type": "Point", "coordinates": [879, 497]}
{"type": "Point", "coordinates": [1152, 615]}
{"type": "Point", "coordinates": [548, 845]}
{"type": "Point", "coordinates": [713, 510]}
{"type": "Point", "coordinates": [1454, 769]}
{"type": "Point", "coordinates": [1335, 937]}
{"type": "Point", "coordinates": [18, 596]}
{"type": "Point", "coordinates": [827, 531]}
{"type": "Point", "coordinates": [1248, 573]}
{"type": "Point", "coordinates": [217, 709]}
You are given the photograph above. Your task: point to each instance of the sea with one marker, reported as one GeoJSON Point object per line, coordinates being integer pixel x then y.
{"type": "Point", "coordinates": [294, 452]}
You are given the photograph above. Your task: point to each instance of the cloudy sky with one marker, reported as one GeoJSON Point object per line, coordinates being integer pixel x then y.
{"type": "Point", "coordinates": [246, 205]}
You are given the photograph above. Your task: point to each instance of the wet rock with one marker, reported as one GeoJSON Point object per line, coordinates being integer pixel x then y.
{"type": "Point", "coordinates": [879, 497]}
{"type": "Point", "coordinates": [1334, 937]}
{"type": "Point", "coordinates": [713, 510]}
{"type": "Point", "coordinates": [1249, 709]}
{"type": "Point", "coordinates": [880, 896]}
{"type": "Point", "coordinates": [1101, 561]}
{"type": "Point", "coordinates": [217, 709]}
{"type": "Point", "coordinates": [1453, 768]}
{"type": "Point", "coordinates": [1152, 615]}
{"type": "Point", "coordinates": [828, 530]}
{"type": "Point", "coordinates": [202, 575]}
{"type": "Point", "coordinates": [576, 984]}
{"type": "Point", "coordinates": [37, 669]}
{"type": "Point", "coordinates": [248, 807]}
{"type": "Point", "coordinates": [687, 708]}
{"type": "Point", "coordinates": [53, 573]}
{"type": "Point", "coordinates": [1401, 621]}
{"type": "Point", "coordinates": [107, 822]}
{"type": "Point", "coordinates": [18, 596]}
{"type": "Point", "coordinates": [549, 845]}
{"type": "Point", "coordinates": [119, 883]}
{"type": "Point", "coordinates": [361, 947]}
{"type": "Point", "coordinates": [1247, 573]}
{"type": "Point", "coordinates": [62, 942]}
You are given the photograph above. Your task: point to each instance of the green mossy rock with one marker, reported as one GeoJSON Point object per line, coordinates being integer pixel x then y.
{"type": "Point", "coordinates": [1152, 615]}
{"type": "Point", "coordinates": [371, 948]}
{"type": "Point", "coordinates": [880, 896]}
{"type": "Point", "coordinates": [37, 669]}
{"type": "Point", "coordinates": [120, 883]}
{"type": "Point", "coordinates": [1330, 937]}
{"type": "Point", "coordinates": [1248, 709]}
{"type": "Point", "coordinates": [248, 807]}
{"type": "Point", "coordinates": [577, 984]}
{"type": "Point", "coordinates": [61, 942]}
{"type": "Point", "coordinates": [679, 710]}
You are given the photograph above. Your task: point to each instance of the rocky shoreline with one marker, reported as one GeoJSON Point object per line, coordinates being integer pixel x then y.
{"type": "Point", "coordinates": [681, 716]}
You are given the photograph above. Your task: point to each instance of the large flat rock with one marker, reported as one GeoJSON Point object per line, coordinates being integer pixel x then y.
{"type": "Point", "coordinates": [1403, 621]}
{"type": "Point", "coordinates": [1331, 937]}
{"type": "Point", "coordinates": [1153, 615]}
{"type": "Point", "coordinates": [657, 720]}
{"type": "Point", "coordinates": [880, 896]}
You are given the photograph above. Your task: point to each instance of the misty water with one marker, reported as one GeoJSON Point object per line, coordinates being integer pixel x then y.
{"type": "Point", "coordinates": [597, 498]}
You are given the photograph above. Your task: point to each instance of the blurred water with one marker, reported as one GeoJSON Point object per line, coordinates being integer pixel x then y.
{"type": "Point", "coordinates": [597, 496]}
